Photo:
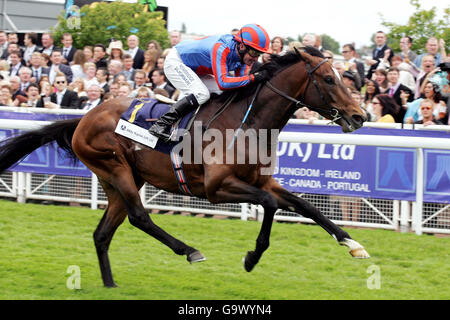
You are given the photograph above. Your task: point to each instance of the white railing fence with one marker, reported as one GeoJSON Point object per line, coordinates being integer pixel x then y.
{"type": "Point", "coordinates": [347, 211]}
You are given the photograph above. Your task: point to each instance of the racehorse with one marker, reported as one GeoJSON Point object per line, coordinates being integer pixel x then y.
{"type": "Point", "coordinates": [298, 78]}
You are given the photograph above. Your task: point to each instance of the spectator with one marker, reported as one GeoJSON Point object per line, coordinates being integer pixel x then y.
{"type": "Point", "coordinates": [144, 93]}
{"type": "Point", "coordinates": [396, 89]}
{"type": "Point", "coordinates": [57, 66]}
{"type": "Point", "coordinates": [175, 38]}
{"type": "Point", "coordinates": [3, 43]}
{"type": "Point", "coordinates": [100, 56]}
{"type": "Point", "coordinates": [114, 89]}
{"type": "Point", "coordinates": [426, 109]}
{"type": "Point", "coordinates": [432, 47]}
{"type": "Point", "coordinates": [94, 97]}
{"type": "Point", "coordinates": [295, 44]}
{"type": "Point", "coordinates": [139, 79]}
{"type": "Point", "coordinates": [353, 65]}
{"type": "Point", "coordinates": [30, 41]}
{"type": "Point", "coordinates": [381, 79]}
{"type": "Point", "coordinates": [150, 56]}
{"type": "Point", "coordinates": [160, 63]}
{"type": "Point", "coordinates": [405, 76]}
{"type": "Point", "coordinates": [88, 53]}
{"type": "Point", "coordinates": [385, 108]}
{"type": "Point", "coordinates": [427, 67]}
{"type": "Point", "coordinates": [16, 63]}
{"type": "Point", "coordinates": [349, 79]}
{"type": "Point", "coordinates": [13, 38]}
{"type": "Point", "coordinates": [90, 71]}
{"type": "Point", "coordinates": [327, 54]}
{"type": "Point", "coordinates": [115, 51]}
{"type": "Point", "coordinates": [34, 99]}
{"type": "Point", "coordinates": [309, 40]}
{"type": "Point", "coordinates": [36, 67]}
{"type": "Point", "coordinates": [379, 53]}
{"type": "Point", "coordinates": [124, 90]}
{"type": "Point", "coordinates": [68, 51]}
{"type": "Point", "coordinates": [5, 96]}
{"type": "Point", "coordinates": [15, 87]}
{"type": "Point", "coordinates": [102, 78]}
{"type": "Point", "coordinates": [46, 90]}
{"type": "Point", "coordinates": [159, 80]}
{"type": "Point", "coordinates": [372, 90]}
{"type": "Point", "coordinates": [115, 68]}
{"type": "Point", "coordinates": [128, 69]}
{"type": "Point", "coordinates": [78, 87]}
{"type": "Point", "coordinates": [48, 44]}
{"type": "Point", "coordinates": [25, 78]}
{"type": "Point", "coordinates": [318, 43]}
{"type": "Point", "coordinates": [77, 67]}
{"type": "Point", "coordinates": [4, 69]}
{"type": "Point", "coordinates": [339, 66]}
{"type": "Point", "coordinates": [63, 97]}
{"type": "Point", "coordinates": [277, 45]}
{"type": "Point", "coordinates": [135, 52]}
{"type": "Point", "coordinates": [405, 46]}
{"type": "Point", "coordinates": [45, 61]}
{"type": "Point", "coordinates": [305, 113]}
{"type": "Point", "coordinates": [154, 45]}
{"type": "Point", "coordinates": [429, 91]}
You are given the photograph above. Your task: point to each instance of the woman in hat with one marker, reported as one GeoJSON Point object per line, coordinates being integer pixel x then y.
{"type": "Point", "coordinates": [115, 50]}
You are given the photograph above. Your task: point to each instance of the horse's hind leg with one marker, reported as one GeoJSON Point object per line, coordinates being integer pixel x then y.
{"type": "Point", "coordinates": [124, 182]}
{"type": "Point", "coordinates": [113, 217]}
{"type": "Point", "coordinates": [291, 202]}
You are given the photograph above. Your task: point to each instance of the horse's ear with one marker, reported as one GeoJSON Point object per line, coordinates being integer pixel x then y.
{"type": "Point", "coordinates": [298, 52]}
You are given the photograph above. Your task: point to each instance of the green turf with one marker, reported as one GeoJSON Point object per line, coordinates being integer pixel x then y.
{"type": "Point", "coordinates": [38, 244]}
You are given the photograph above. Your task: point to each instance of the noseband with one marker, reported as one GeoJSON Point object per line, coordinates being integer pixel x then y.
{"type": "Point", "coordinates": [332, 111]}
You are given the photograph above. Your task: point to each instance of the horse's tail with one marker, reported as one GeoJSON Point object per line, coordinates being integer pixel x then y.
{"type": "Point", "coordinates": [16, 148]}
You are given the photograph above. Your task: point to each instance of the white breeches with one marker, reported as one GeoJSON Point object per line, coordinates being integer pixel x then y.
{"type": "Point", "coordinates": [187, 81]}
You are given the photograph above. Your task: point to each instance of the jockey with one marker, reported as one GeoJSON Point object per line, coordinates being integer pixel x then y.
{"type": "Point", "coordinates": [199, 67]}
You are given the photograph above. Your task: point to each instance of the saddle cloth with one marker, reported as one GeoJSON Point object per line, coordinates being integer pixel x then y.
{"type": "Point", "coordinates": [140, 116]}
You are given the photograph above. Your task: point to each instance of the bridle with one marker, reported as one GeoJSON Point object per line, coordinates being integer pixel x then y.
{"type": "Point", "coordinates": [334, 113]}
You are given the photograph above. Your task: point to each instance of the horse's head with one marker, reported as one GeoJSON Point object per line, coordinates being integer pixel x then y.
{"type": "Point", "coordinates": [325, 93]}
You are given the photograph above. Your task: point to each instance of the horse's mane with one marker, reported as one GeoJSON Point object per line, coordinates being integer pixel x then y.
{"type": "Point", "coordinates": [276, 64]}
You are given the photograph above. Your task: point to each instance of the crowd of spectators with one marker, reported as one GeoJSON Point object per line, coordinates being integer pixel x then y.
{"type": "Point", "coordinates": [390, 86]}
{"type": "Point", "coordinates": [395, 87]}
{"type": "Point", "coordinates": [58, 75]}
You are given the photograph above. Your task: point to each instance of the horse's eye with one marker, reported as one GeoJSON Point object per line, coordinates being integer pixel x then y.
{"type": "Point", "coordinates": [329, 80]}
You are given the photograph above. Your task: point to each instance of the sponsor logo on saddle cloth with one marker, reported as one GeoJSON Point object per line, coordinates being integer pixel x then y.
{"type": "Point", "coordinates": [140, 116]}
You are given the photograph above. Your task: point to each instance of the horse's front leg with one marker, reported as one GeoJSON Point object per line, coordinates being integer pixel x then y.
{"type": "Point", "coordinates": [290, 202]}
{"type": "Point", "coordinates": [233, 190]}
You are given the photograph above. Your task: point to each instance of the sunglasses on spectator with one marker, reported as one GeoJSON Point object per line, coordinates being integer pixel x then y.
{"type": "Point", "coordinates": [376, 103]}
{"type": "Point", "coordinates": [60, 82]}
{"type": "Point", "coordinates": [345, 51]}
{"type": "Point", "coordinates": [328, 57]}
{"type": "Point", "coordinates": [425, 108]}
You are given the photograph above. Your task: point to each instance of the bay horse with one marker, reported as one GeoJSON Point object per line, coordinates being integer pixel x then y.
{"type": "Point", "coordinates": [298, 78]}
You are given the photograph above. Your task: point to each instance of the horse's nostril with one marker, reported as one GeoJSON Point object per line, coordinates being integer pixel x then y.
{"type": "Point", "coordinates": [358, 119]}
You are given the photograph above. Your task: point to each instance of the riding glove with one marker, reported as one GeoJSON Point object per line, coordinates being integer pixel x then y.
{"type": "Point", "coordinates": [261, 76]}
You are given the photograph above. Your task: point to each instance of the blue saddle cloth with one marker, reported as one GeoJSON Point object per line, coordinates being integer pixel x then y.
{"type": "Point", "coordinates": [145, 112]}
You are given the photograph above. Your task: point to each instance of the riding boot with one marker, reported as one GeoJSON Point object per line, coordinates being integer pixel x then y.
{"type": "Point", "coordinates": [161, 128]}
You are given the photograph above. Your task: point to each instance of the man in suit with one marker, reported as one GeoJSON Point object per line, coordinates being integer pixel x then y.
{"type": "Point", "coordinates": [30, 41]}
{"type": "Point", "coordinates": [15, 87]}
{"type": "Point", "coordinates": [352, 64]}
{"type": "Point", "coordinates": [25, 78]}
{"type": "Point", "coordinates": [396, 89]}
{"type": "Point", "coordinates": [37, 71]}
{"type": "Point", "coordinates": [68, 51]}
{"type": "Point", "coordinates": [94, 94]}
{"type": "Point", "coordinates": [63, 98]}
{"type": "Point", "coordinates": [378, 53]}
{"type": "Point", "coordinates": [48, 44]}
{"type": "Point", "coordinates": [16, 63]}
{"type": "Point", "coordinates": [57, 65]}
{"type": "Point", "coordinates": [128, 69]}
{"type": "Point", "coordinates": [159, 80]}
{"type": "Point", "coordinates": [135, 52]}
{"type": "Point", "coordinates": [100, 56]}
{"type": "Point", "coordinates": [3, 43]}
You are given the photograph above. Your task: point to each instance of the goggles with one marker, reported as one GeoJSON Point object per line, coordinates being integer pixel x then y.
{"type": "Point", "coordinates": [252, 52]}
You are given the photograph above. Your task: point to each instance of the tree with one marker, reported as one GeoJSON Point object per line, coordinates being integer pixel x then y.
{"type": "Point", "coordinates": [422, 25]}
{"type": "Point", "coordinates": [328, 43]}
{"type": "Point", "coordinates": [101, 21]}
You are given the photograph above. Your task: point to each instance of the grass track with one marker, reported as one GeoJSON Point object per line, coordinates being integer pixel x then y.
{"type": "Point", "coordinates": [38, 243]}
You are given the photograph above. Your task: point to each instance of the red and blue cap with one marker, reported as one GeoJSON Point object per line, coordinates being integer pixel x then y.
{"type": "Point", "coordinates": [254, 36]}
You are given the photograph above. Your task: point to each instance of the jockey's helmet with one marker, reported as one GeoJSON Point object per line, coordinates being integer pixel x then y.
{"type": "Point", "coordinates": [254, 36]}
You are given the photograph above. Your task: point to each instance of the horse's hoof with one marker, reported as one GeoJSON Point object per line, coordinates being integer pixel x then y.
{"type": "Point", "coordinates": [248, 264]}
{"type": "Point", "coordinates": [196, 256]}
{"type": "Point", "coordinates": [356, 250]}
